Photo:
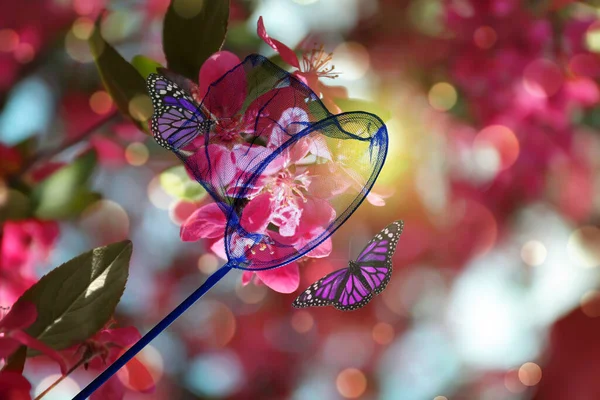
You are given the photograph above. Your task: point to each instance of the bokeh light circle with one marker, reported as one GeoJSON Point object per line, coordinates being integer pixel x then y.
{"type": "Point", "coordinates": [590, 303]}
{"type": "Point", "coordinates": [83, 28]}
{"type": "Point", "coordinates": [485, 37]}
{"type": "Point", "coordinates": [351, 383]}
{"type": "Point", "coordinates": [78, 49]}
{"type": "Point", "coordinates": [107, 220]}
{"type": "Point", "coordinates": [383, 333]}
{"type": "Point", "coordinates": [583, 246]}
{"type": "Point", "coordinates": [534, 253]}
{"type": "Point", "coordinates": [513, 383]}
{"type": "Point", "coordinates": [9, 40]}
{"type": "Point", "coordinates": [251, 294]}
{"type": "Point", "coordinates": [302, 321]}
{"type": "Point", "coordinates": [216, 375]}
{"type": "Point", "coordinates": [188, 8]}
{"type": "Point", "coordinates": [136, 154]}
{"type": "Point", "coordinates": [208, 263]}
{"type": "Point", "coordinates": [101, 102]}
{"type": "Point", "coordinates": [502, 140]}
{"type": "Point", "coordinates": [24, 53]}
{"type": "Point", "coordinates": [442, 96]}
{"type": "Point", "coordinates": [142, 372]}
{"type": "Point", "coordinates": [542, 78]}
{"type": "Point", "coordinates": [157, 195]}
{"type": "Point", "coordinates": [140, 107]}
{"type": "Point", "coordinates": [66, 389]}
{"type": "Point", "coordinates": [530, 374]}
{"type": "Point", "coordinates": [352, 59]}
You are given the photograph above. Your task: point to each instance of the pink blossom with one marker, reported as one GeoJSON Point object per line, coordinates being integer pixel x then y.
{"type": "Point", "coordinates": [26, 244]}
{"type": "Point", "coordinates": [14, 386]}
{"type": "Point", "coordinates": [103, 349]}
{"type": "Point", "coordinates": [12, 326]}
{"type": "Point", "coordinates": [315, 64]}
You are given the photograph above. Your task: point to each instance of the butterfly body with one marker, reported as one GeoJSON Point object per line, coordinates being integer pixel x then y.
{"type": "Point", "coordinates": [353, 287]}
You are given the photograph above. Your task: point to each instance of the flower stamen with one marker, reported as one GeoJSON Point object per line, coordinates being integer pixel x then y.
{"type": "Point", "coordinates": [317, 62]}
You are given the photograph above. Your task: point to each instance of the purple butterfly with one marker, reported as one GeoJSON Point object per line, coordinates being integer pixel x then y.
{"type": "Point", "coordinates": [177, 117]}
{"type": "Point", "coordinates": [353, 287]}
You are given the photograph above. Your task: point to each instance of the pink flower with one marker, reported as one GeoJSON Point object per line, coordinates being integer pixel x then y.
{"type": "Point", "coordinates": [12, 326]}
{"type": "Point", "coordinates": [104, 348]}
{"type": "Point", "coordinates": [14, 386]}
{"type": "Point", "coordinates": [281, 197]}
{"type": "Point", "coordinates": [314, 65]}
{"type": "Point", "coordinates": [25, 244]}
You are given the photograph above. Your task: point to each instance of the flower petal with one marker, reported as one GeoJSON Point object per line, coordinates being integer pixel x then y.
{"type": "Point", "coordinates": [376, 199]}
{"type": "Point", "coordinates": [135, 375]}
{"type": "Point", "coordinates": [21, 315]}
{"type": "Point", "coordinates": [214, 68]}
{"type": "Point", "coordinates": [322, 250]}
{"type": "Point", "coordinates": [206, 222]}
{"type": "Point", "coordinates": [37, 345]}
{"type": "Point", "coordinates": [247, 277]}
{"type": "Point", "coordinates": [14, 386]}
{"type": "Point", "coordinates": [8, 346]}
{"type": "Point", "coordinates": [113, 389]}
{"type": "Point", "coordinates": [283, 280]}
{"type": "Point", "coordinates": [284, 51]}
{"type": "Point", "coordinates": [256, 214]}
{"type": "Point", "coordinates": [218, 247]}
{"type": "Point", "coordinates": [221, 102]}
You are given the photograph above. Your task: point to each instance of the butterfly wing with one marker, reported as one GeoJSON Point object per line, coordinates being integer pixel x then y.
{"type": "Point", "coordinates": [374, 263]}
{"type": "Point", "coordinates": [355, 293]}
{"type": "Point", "coordinates": [324, 291]}
{"type": "Point", "coordinates": [352, 288]}
{"type": "Point", "coordinates": [177, 118]}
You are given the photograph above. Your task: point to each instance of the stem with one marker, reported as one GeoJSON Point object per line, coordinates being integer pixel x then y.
{"type": "Point", "coordinates": [59, 380]}
{"type": "Point", "coordinates": [49, 154]}
{"type": "Point", "coordinates": [154, 332]}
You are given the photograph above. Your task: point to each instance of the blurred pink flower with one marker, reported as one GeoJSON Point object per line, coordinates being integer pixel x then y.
{"type": "Point", "coordinates": [103, 349]}
{"type": "Point", "coordinates": [25, 244]}
{"type": "Point", "coordinates": [12, 334]}
{"type": "Point", "coordinates": [315, 64]}
{"type": "Point", "coordinates": [14, 386]}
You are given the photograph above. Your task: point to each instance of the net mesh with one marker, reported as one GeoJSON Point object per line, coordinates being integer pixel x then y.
{"type": "Point", "coordinates": [284, 170]}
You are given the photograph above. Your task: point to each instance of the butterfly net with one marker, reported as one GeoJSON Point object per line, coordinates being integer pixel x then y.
{"type": "Point", "coordinates": [284, 170]}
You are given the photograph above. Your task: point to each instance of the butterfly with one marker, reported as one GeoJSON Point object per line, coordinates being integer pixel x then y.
{"type": "Point", "coordinates": [177, 117]}
{"type": "Point", "coordinates": [353, 287]}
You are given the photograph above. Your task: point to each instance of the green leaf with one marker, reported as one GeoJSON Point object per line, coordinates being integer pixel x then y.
{"type": "Point", "coordinates": [176, 182]}
{"type": "Point", "coordinates": [145, 65]}
{"type": "Point", "coordinates": [124, 83]}
{"type": "Point", "coordinates": [64, 194]}
{"type": "Point", "coordinates": [193, 30]}
{"type": "Point", "coordinates": [364, 105]}
{"type": "Point", "coordinates": [16, 206]}
{"type": "Point", "coordinates": [75, 300]}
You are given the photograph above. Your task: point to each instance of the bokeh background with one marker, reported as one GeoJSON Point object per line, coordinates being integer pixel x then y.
{"type": "Point", "coordinates": [493, 110]}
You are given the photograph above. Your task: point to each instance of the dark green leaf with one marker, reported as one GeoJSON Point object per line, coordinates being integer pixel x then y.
{"type": "Point", "coordinates": [364, 105]}
{"type": "Point", "coordinates": [239, 37]}
{"type": "Point", "coordinates": [64, 194]}
{"type": "Point", "coordinates": [75, 300]}
{"type": "Point", "coordinates": [124, 83]}
{"type": "Point", "coordinates": [15, 206]}
{"type": "Point", "coordinates": [144, 65]}
{"type": "Point", "coordinates": [193, 30]}
{"type": "Point", "coordinates": [176, 182]}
